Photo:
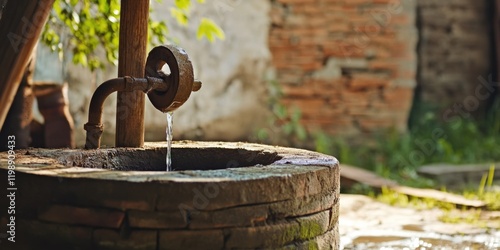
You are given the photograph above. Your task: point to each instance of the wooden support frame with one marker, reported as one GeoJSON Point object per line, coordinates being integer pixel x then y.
{"type": "Point", "coordinates": [21, 24]}
{"type": "Point", "coordinates": [132, 58]}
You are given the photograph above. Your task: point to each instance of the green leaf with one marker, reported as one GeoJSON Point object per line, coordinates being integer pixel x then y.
{"type": "Point", "coordinates": [262, 134]}
{"type": "Point", "coordinates": [92, 24]}
{"type": "Point", "coordinates": [301, 133]}
{"type": "Point", "coordinates": [179, 15]}
{"type": "Point", "coordinates": [210, 30]}
{"type": "Point", "coordinates": [296, 114]}
{"type": "Point", "coordinates": [280, 111]}
{"type": "Point", "coordinates": [288, 128]}
{"type": "Point", "coordinates": [80, 58]}
{"type": "Point", "coordinates": [183, 4]}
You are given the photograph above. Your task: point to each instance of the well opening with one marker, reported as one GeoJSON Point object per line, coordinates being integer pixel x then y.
{"type": "Point", "coordinates": [124, 159]}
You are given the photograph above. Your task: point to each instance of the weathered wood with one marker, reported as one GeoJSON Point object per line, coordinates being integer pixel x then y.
{"type": "Point", "coordinates": [19, 117]}
{"type": "Point", "coordinates": [350, 175]}
{"type": "Point", "coordinates": [131, 61]}
{"type": "Point", "coordinates": [496, 38]}
{"type": "Point", "coordinates": [440, 196]}
{"type": "Point", "coordinates": [21, 24]}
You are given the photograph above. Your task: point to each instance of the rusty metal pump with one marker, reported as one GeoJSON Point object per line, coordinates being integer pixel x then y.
{"type": "Point", "coordinates": [167, 92]}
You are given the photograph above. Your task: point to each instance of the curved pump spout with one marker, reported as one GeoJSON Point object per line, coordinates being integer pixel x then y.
{"type": "Point", "coordinates": [166, 92]}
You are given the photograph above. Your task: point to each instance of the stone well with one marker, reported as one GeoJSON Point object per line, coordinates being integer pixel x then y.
{"type": "Point", "coordinates": [221, 196]}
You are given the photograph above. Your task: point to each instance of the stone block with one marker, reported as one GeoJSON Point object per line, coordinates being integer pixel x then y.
{"type": "Point", "coordinates": [279, 234]}
{"type": "Point", "coordinates": [457, 176]}
{"type": "Point", "coordinates": [325, 241]}
{"type": "Point", "coordinates": [258, 215]}
{"type": "Point", "coordinates": [82, 216]}
{"type": "Point", "coordinates": [158, 220]}
{"type": "Point", "coordinates": [92, 192]}
{"type": "Point", "coordinates": [196, 239]}
{"type": "Point", "coordinates": [250, 189]}
{"type": "Point", "coordinates": [134, 240]}
{"type": "Point", "coordinates": [232, 217]}
{"type": "Point", "coordinates": [32, 232]}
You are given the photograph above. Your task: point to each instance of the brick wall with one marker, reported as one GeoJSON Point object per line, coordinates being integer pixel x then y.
{"type": "Point", "coordinates": [349, 65]}
{"type": "Point", "coordinates": [455, 49]}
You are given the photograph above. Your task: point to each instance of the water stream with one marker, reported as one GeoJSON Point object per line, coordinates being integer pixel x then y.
{"type": "Point", "coordinates": [170, 120]}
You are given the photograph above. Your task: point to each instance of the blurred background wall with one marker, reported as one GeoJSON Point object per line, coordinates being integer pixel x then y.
{"type": "Point", "coordinates": [455, 50]}
{"type": "Point", "coordinates": [351, 67]}
{"type": "Point", "coordinates": [232, 102]}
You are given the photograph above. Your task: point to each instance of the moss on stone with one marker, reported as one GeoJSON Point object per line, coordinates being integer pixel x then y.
{"type": "Point", "coordinates": [309, 229]}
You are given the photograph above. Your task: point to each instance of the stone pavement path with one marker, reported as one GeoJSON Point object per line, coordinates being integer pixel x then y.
{"type": "Point", "coordinates": [368, 224]}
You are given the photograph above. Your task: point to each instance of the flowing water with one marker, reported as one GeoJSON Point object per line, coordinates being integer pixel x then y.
{"type": "Point", "coordinates": [170, 120]}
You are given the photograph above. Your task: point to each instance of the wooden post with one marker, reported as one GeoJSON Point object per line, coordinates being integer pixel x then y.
{"type": "Point", "coordinates": [496, 38]}
{"type": "Point", "coordinates": [132, 58]}
{"type": "Point", "coordinates": [20, 26]}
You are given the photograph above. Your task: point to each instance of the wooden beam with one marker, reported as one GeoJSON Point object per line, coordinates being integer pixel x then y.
{"type": "Point", "coordinates": [496, 37]}
{"type": "Point", "coordinates": [132, 58]}
{"type": "Point", "coordinates": [350, 175]}
{"type": "Point", "coordinates": [20, 26]}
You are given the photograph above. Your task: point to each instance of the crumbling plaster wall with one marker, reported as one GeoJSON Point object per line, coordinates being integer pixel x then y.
{"type": "Point", "coordinates": [232, 102]}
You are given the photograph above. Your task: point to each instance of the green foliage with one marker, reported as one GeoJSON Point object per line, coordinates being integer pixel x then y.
{"type": "Point", "coordinates": [206, 28]}
{"type": "Point", "coordinates": [91, 23]}
{"type": "Point", "coordinates": [284, 126]}
{"type": "Point", "coordinates": [463, 216]}
{"type": "Point", "coordinates": [486, 192]}
{"type": "Point", "coordinates": [180, 15]}
{"type": "Point", "coordinates": [210, 30]}
{"type": "Point", "coordinates": [94, 24]}
{"type": "Point", "coordinates": [397, 155]}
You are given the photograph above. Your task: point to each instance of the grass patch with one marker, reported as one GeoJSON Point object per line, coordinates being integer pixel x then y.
{"type": "Point", "coordinates": [394, 198]}
{"type": "Point", "coordinates": [451, 214]}
{"type": "Point", "coordinates": [486, 191]}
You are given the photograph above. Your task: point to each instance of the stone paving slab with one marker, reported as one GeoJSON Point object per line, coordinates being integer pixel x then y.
{"type": "Point", "coordinates": [368, 224]}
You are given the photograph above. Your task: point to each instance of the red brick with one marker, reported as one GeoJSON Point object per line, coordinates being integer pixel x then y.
{"type": "Point", "coordinates": [386, 65]}
{"type": "Point", "coordinates": [363, 81]}
{"type": "Point", "coordinates": [317, 31]}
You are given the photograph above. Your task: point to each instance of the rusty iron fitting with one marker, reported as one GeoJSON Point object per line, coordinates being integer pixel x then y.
{"type": "Point", "coordinates": [94, 132]}
{"type": "Point", "coordinates": [94, 126]}
{"type": "Point", "coordinates": [180, 81]}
